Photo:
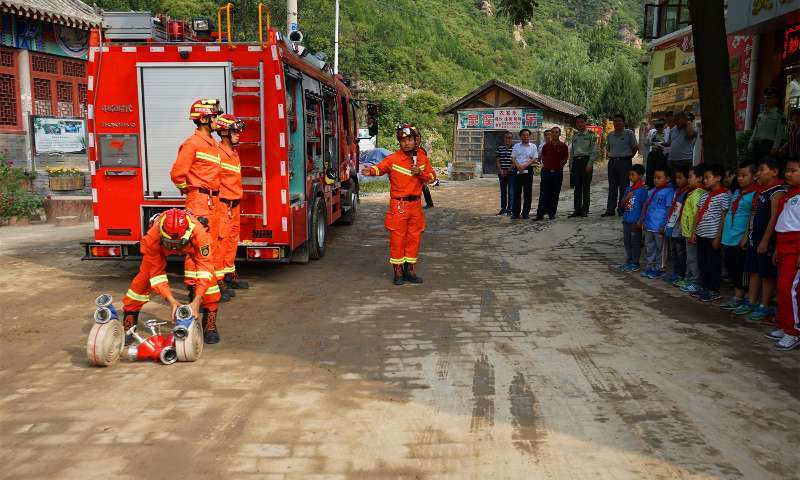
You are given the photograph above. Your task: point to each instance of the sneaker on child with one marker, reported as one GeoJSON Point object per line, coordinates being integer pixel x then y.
{"type": "Point", "coordinates": [787, 342]}
{"type": "Point", "coordinates": [760, 313]}
{"type": "Point", "coordinates": [732, 304]}
{"type": "Point", "coordinates": [746, 308]}
{"type": "Point", "coordinates": [775, 335]}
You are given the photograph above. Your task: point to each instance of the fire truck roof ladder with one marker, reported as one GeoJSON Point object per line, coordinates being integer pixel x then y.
{"type": "Point", "coordinates": [253, 83]}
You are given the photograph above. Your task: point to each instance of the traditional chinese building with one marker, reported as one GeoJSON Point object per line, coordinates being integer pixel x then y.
{"type": "Point", "coordinates": [484, 115]}
{"type": "Point", "coordinates": [43, 84]}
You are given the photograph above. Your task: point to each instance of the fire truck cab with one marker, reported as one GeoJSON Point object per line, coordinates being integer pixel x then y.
{"type": "Point", "coordinates": [299, 149]}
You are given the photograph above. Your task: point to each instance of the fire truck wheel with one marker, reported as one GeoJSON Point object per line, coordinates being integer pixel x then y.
{"type": "Point", "coordinates": [319, 230]}
{"type": "Point", "coordinates": [105, 343]}
{"type": "Point", "coordinates": [350, 201]}
{"type": "Point", "coordinates": [190, 348]}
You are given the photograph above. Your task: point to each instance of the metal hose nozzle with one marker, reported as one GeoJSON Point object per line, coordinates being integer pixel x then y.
{"type": "Point", "coordinates": [168, 356]}
{"type": "Point", "coordinates": [103, 300]}
{"type": "Point", "coordinates": [103, 315]}
{"type": "Point", "coordinates": [184, 312]}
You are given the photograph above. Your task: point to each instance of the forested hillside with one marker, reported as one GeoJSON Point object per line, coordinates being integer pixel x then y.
{"type": "Point", "coordinates": [416, 56]}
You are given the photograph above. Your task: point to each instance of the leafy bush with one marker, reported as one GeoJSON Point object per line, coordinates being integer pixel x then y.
{"type": "Point", "coordinates": [15, 201]}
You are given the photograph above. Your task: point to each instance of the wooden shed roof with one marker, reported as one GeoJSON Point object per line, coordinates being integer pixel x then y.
{"type": "Point", "coordinates": [535, 98]}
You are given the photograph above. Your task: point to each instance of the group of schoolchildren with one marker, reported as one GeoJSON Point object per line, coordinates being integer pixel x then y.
{"type": "Point", "coordinates": [704, 218]}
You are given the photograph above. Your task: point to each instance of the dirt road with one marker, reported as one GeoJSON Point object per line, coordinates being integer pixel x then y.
{"type": "Point", "coordinates": [525, 355]}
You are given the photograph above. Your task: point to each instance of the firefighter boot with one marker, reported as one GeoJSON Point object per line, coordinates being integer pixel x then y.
{"type": "Point", "coordinates": [398, 274]}
{"type": "Point", "coordinates": [129, 319]}
{"type": "Point", "coordinates": [225, 293]}
{"type": "Point", "coordinates": [190, 288]}
{"type": "Point", "coordinates": [409, 273]}
{"type": "Point", "coordinates": [232, 280]}
{"type": "Point", "coordinates": [210, 334]}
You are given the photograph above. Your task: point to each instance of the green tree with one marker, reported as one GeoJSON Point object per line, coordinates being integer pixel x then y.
{"type": "Point", "coordinates": [623, 93]}
{"type": "Point", "coordinates": [519, 12]}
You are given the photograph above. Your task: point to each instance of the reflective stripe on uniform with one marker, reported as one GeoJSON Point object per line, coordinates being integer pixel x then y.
{"type": "Point", "coordinates": [397, 261]}
{"type": "Point", "coordinates": [208, 157]}
{"type": "Point", "coordinates": [410, 260]}
{"type": "Point", "coordinates": [135, 296]}
{"type": "Point", "coordinates": [181, 186]}
{"type": "Point", "coordinates": [212, 290]}
{"type": "Point", "coordinates": [376, 170]}
{"type": "Point", "coordinates": [404, 171]}
{"type": "Point", "coordinates": [158, 279]}
{"type": "Point", "coordinates": [232, 168]}
{"type": "Point", "coordinates": [204, 275]}
{"type": "Point", "coordinates": [220, 273]}
{"type": "Point", "coordinates": [190, 274]}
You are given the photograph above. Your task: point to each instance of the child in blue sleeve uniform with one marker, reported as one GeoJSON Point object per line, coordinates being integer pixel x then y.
{"type": "Point", "coordinates": [632, 203]}
{"type": "Point", "coordinates": [654, 219]}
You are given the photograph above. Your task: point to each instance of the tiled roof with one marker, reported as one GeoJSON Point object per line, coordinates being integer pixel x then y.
{"type": "Point", "coordinates": [73, 13]}
{"type": "Point", "coordinates": [544, 101]}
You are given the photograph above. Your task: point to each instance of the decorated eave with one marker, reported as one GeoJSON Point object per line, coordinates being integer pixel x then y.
{"type": "Point", "coordinates": [536, 99]}
{"type": "Point", "coordinates": [71, 13]}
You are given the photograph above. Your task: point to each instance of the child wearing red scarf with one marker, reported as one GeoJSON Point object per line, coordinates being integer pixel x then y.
{"type": "Point", "coordinates": [633, 200]}
{"type": "Point", "coordinates": [708, 230]}
{"type": "Point", "coordinates": [734, 240]}
{"type": "Point", "coordinates": [672, 232]}
{"type": "Point", "coordinates": [761, 242]}
{"type": "Point", "coordinates": [787, 257]}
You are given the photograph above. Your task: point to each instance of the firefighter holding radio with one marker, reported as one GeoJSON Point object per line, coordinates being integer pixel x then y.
{"type": "Point", "coordinates": [409, 169]}
{"type": "Point", "coordinates": [197, 173]}
{"type": "Point", "coordinates": [229, 128]}
{"type": "Point", "coordinates": [175, 232]}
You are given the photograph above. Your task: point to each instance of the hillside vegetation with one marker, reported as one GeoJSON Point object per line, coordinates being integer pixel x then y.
{"type": "Point", "coordinates": [416, 56]}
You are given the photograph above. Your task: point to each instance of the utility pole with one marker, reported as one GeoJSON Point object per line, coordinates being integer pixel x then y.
{"type": "Point", "coordinates": [291, 16]}
{"type": "Point", "coordinates": [336, 42]}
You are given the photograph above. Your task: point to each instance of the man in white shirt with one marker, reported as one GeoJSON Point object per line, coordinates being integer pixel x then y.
{"type": "Point", "coordinates": [523, 156]}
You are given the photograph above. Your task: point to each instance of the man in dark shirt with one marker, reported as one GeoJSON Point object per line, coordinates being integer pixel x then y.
{"type": "Point", "coordinates": [506, 171]}
{"type": "Point", "coordinates": [554, 157]}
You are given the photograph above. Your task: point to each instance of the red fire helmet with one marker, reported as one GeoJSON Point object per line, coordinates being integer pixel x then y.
{"type": "Point", "coordinates": [204, 107]}
{"type": "Point", "coordinates": [176, 228]}
{"type": "Point", "coordinates": [227, 122]}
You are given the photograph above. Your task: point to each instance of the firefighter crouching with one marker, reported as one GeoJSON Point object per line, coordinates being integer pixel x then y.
{"type": "Point", "coordinates": [175, 232]}
{"type": "Point", "coordinates": [196, 173]}
{"type": "Point", "coordinates": [230, 195]}
{"type": "Point", "coordinates": [408, 169]}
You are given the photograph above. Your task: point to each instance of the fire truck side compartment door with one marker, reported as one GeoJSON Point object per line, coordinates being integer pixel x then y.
{"type": "Point", "coordinates": [166, 91]}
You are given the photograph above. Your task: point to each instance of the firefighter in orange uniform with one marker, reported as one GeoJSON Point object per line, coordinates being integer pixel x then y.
{"type": "Point", "coordinates": [409, 169]}
{"type": "Point", "coordinates": [230, 195]}
{"type": "Point", "coordinates": [175, 232]}
{"type": "Point", "coordinates": [197, 172]}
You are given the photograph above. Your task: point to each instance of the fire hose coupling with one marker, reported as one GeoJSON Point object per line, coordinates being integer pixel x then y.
{"type": "Point", "coordinates": [105, 311]}
{"type": "Point", "coordinates": [183, 320]}
{"type": "Point", "coordinates": [154, 348]}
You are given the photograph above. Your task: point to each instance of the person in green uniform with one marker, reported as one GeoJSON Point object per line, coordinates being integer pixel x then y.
{"type": "Point", "coordinates": [770, 131]}
{"type": "Point", "coordinates": [583, 153]}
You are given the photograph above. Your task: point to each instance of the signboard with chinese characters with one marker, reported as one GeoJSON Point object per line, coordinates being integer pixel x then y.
{"type": "Point", "coordinates": [500, 119]}
{"type": "Point", "coordinates": [675, 79]}
{"type": "Point", "coordinates": [58, 135]}
{"type": "Point", "coordinates": [751, 16]}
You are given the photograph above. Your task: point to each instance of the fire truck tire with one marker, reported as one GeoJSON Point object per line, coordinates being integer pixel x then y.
{"type": "Point", "coordinates": [104, 344]}
{"type": "Point", "coordinates": [319, 230]}
{"type": "Point", "coordinates": [190, 348]}
{"type": "Point", "coordinates": [350, 201]}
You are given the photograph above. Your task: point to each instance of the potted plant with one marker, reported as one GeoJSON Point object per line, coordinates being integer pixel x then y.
{"type": "Point", "coordinates": [64, 179]}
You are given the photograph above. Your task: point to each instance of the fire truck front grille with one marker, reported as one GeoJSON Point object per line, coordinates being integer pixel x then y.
{"type": "Point", "coordinates": [262, 233]}
{"type": "Point", "coordinates": [118, 232]}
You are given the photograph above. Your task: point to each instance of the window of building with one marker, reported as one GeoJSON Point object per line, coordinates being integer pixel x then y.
{"type": "Point", "coordinates": [59, 86]}
{"type": "Point", "coordinates": [9, 91]}
{"type": "Point", "coordinates": [663, 17]}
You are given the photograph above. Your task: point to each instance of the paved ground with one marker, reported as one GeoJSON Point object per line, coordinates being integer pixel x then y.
{"type": "Point", "coordinates": [525, 355]}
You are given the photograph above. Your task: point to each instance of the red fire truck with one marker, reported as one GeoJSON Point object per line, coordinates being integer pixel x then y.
{"type": "Point", "coordinates": [299, 150]}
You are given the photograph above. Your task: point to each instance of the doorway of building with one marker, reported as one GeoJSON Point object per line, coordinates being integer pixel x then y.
{"type": "Point", "coordinates": [491, 140]}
